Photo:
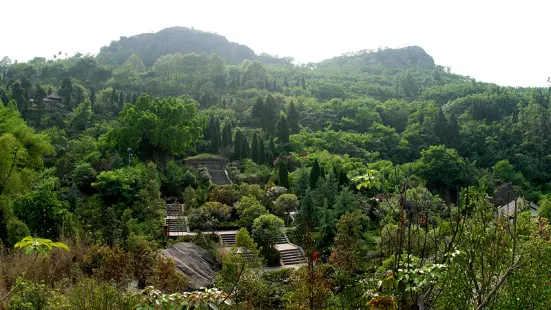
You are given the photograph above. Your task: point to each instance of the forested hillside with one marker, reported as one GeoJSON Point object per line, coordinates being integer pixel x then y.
{"type": "Point", "coordinates": [385, 168]}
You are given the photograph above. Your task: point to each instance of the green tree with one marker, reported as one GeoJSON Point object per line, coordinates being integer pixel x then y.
{"type": "Point", "coordinates": [255, 149]}
{"type": "Point", "coordinates": [283, 174]}
{"type": "Point", "coordinates": [273, 153]}
{"type": "Point", "coordinates": [249, 208]}
{"type": "Point", "coordinates": [82, 116]}
{"type": "Point", "coordinates": [293, 118]}
{"type": "Point", "coordinates": [315, 174]}
{"type": "Point", "coordinates": [66, 92]}
{"type": "Point", "coordinates": [282, 130]}
{"type": "Point", "coordinates": [93, 95]}
{"type": "Point", "coordinates": [327, 229]}
{"type": "Point", "coordinates": [266, 231]}
{"type": "Point", "coordinates": [215, 136]}
{"type": "Point", "coordinates": [160, 128]}
{"type": "Point", "coordinates": [237, 145]}
{"type": "Point", "coordinates": [261, 152]}
{"type": "Point", "coordinates": [348, 244]}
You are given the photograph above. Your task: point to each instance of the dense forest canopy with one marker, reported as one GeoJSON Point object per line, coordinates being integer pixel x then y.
{"type": "Point", "coordinates": [385, 168]}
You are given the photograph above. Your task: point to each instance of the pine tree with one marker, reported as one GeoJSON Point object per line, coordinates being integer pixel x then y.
{"type": "Point", "coordinates": [237, 145]}
{"type": "Point", "coordinates": [258, 109]}
{"type": "Point", "coordinates": [283, 174]}
{"type": "Point", "coordinates": [282, 130]}
{"type": "Point", "coordinates": [302, 183]}
{"type": "Point", "coordinates": [307, 220]}
{"type": "Point", "coordinates": [293, 118]}
{"type": "Point", "coordinates": [254, 149]}
{"type": "Point", "coordinates": [285, 82]}
{"type": "Point", "coordinates": [315, 173]}
{"type": "Point", "coordinates": [217, 131]}
{"type": "Point", "coordinates": [261, 151]}
{"type": "Point", "coordinates": [128, 98]}
{"type": "Point", "coordinates": [93, 95]}
{"type": "Point", "coordinates": [134, 98]}
{"type": "Point", "coordinates": [121, 99]}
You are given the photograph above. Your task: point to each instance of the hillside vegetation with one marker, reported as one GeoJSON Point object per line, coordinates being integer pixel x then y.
{"type": "Point", "coordinates": [386, 168]}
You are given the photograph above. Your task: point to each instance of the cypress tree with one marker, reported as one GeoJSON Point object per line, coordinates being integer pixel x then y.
{"type": "Point", "coordinates": [208, 131]}
{"type": "Point", "coordinates": [282, 130]}
{"type": "Point", "coordinates": [93, 95]}
{"type": "Point", "coordinates": [228, 133]}
{"type": "Point", "coordinates": [283, 174]}
{"type": "Point", "coordinates": [215, 137]}
{"type": "Point", "coordinates": [293, 118]}
{"type": "Point", "coordinates": [315, 173]}
{"type": "Point", "coordinates": [225, 138]}
{"type": "Point", "coordinates": [285, 82]}
{"type": "Point", "coordinates": [261, 151]}
{"type": "Point", "coordinates": [128, 98]}
{"type": "Point", "coordinates": [327, 229]}
{"type": "Point", "coordinates": [217, 131]}
{"type": "Point", "coordinates": [134, 98]}
{"type": "Point", "coordinates": [114, 96]}
{"type": "Point", "coordinates": [272, 151]}
{"type": "Point", "coordinates": [121, 98]}
{"type": "Point", "coordinates": [237, 145]}
{"type": "Point", "coordinates": [303, 82]}
{"type": "Point", "coordinates": [244, 148]}
{"type": "Point", "coordinates": [322, 172]}
{"type": "Point", "coordinates": [254, 149]}
{"type": "Point", "coordinates": [270, 114]}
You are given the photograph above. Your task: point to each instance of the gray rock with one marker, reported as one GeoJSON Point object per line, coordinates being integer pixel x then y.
{"type": "Point", "coordinates": [198, 265]}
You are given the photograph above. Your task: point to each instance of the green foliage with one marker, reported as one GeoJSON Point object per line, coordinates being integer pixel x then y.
{"type": "Point", "coordinates": [283, 174]}
{"type": "Point", "coordinates": [39, 246]}
{"type": "Point", "coordinates": [158, 128]}
{"type": "Point", "coordinates": [249, 208]}
{"type": "Point", "coordinates": [30, 295]}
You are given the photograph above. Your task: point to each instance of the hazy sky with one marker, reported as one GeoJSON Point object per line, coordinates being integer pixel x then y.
{"type": "Point", "coordinates": [505, 42]}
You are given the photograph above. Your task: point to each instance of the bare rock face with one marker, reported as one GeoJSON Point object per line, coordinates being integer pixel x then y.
{"type": "Point", "coordinates": [198, 265]}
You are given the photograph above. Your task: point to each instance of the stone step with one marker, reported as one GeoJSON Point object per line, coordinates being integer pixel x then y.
{"type": "Point", "coordinates": [174, 209]}
{"type": "Point", "coordinates": [292, 257]}
{"type": "Point", "coordinates": [228, 239]}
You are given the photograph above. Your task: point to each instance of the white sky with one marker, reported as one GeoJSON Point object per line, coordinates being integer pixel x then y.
{"type": "Point", "coordinates": [505, 42]}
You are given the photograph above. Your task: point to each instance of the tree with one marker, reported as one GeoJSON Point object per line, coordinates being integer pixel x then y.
{"type": "Point", "coordinates": [209, 215]}
{"type": "Point", "coordinates": [272, 152]}
{"type": "Point", "coordinates": [214, 136]}
{"type": "Point", "coordinates": [286, 203]}
{"type": "Point", "coordinates": [66, 92]}
{"type": "Point", "coordinates": [293, 118]}
{"type": "Point", "coordinates": [266, 231]}
{"type": "Point", "coordinates": [315, 173]}
{"type": "Point", "coordinates": [121, 99]}
{"type": "Point", "coordinates": [261, 152]}
{"type": "Point", "coordinates": [160, 128]}
{"type": "Point", "coordinates": [327, 229]}
{"type": "Point", "coordinates": [237, 145]}
{"type": "Point", "coordinates": [42, 210]}
{"type": "Point", "coordinates": [82, 115]}
{"type": "Point", "coordinates": [249, 208]}
{"type": "Point", "coordinates": [93, 95]}
{"type": "Point", "coordinates": [255, 149]}
{"type": "Point", "coordinates": [226, 135]}
{"type": "Point", "coordinates": [283, 174]}
{"type": "Point", "coordinates": [282, 130]}
{"type": "Point", "coordinates": [348, 246]}
{"type": "Point", "coordinates": [134, 98]}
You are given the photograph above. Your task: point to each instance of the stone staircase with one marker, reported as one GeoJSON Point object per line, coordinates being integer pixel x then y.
{"type": "Point", "coordinates": [227, 238]}
{"type": "Point", "coordinates": [174, 210]}
{"type": "Point", "coordinates": [282, 239]}
{"type": "Point", "coordinates": [176, 225]}
{"type": "Point", "coordinates": [219, 177]}
{"type": "Point", "coordinates": [292, 256]}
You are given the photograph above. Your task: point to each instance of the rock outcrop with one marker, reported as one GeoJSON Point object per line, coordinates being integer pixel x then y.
{"type": "Point", "coordinates": [198, 265]}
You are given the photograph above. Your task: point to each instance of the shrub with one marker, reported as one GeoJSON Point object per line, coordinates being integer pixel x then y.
{"type": "Point", "coordinates": [29, 295]}
{"type": "Point", "coordinates": [249, 209]}
{"type": "Point", "coordinates": [166, 278]}
{"type": "Point", "coordinates": [224, 194]}
{"type": "Point", "coordinates": [88, 294]}
{"type": "Point", "coordinates": [109, 264]}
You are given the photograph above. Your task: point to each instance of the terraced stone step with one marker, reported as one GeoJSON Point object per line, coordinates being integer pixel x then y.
{"type": "Point", "coordinates": [219, 177]}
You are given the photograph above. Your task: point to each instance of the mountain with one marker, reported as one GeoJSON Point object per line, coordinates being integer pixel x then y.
{"type": "Point", "coordinates": [150, 46]}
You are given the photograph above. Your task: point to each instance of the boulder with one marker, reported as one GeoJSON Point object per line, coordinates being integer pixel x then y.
{"type": "Point", "coordinates": [198, 265]}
